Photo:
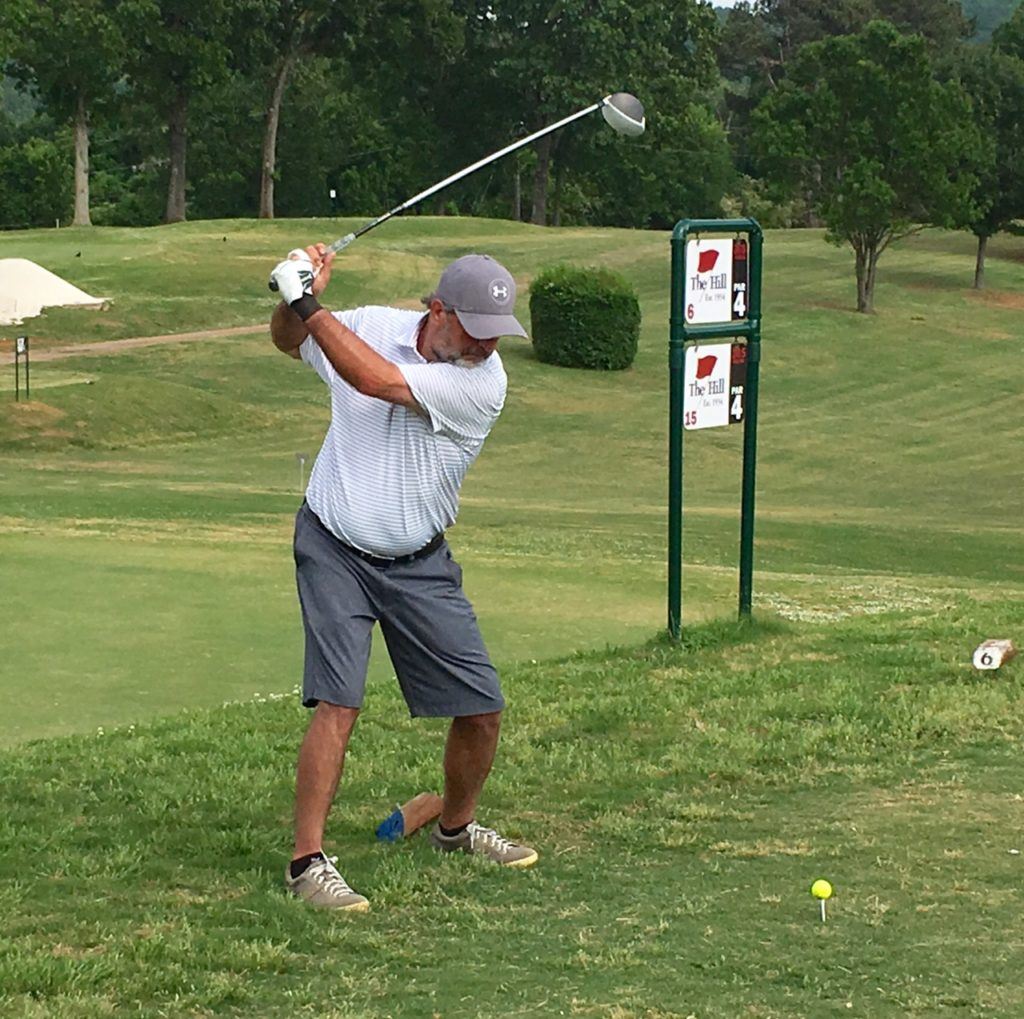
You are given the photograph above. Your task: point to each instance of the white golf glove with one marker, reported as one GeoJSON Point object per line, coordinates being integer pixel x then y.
{"type": "Point", "coordinates": [292, 278]}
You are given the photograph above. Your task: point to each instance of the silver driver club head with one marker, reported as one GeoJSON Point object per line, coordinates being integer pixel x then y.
{"type": "Point", "coordinates": [624, 113]}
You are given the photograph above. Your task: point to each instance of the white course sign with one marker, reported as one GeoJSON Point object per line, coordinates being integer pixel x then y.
{"type": "Point", "coordinates": [708, 292]}
{"type": "Point", "coordinates": [706, 386]}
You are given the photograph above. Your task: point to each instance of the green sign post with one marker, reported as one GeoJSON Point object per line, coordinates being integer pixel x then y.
{"type": "Point", "coordinates": [716, 295]}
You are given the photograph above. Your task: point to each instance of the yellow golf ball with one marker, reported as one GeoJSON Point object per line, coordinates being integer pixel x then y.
{"type": "Point", "coordinates": [821, 889]}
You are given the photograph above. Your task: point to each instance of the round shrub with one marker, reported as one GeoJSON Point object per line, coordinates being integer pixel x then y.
{"type": "Point", "coordinates": [584, 318]}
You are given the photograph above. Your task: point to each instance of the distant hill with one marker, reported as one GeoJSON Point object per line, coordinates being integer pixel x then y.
{"type": "Point", "coordinates": [988, 15]}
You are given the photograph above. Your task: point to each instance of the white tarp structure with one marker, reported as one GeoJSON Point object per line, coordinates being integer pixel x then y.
{"type": "Point", "coordinates": [27, 288]}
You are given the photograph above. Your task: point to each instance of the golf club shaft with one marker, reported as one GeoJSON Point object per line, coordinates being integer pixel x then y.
{"type": "Point", "coordinates": [344, 242]}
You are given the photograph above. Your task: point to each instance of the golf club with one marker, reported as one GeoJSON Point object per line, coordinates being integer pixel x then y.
{"type": "Point", "coordinates": [623, 112]}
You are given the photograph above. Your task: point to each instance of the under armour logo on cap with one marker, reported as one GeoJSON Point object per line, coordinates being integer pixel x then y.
{"type": "Point", "coordinates": [500, 292]}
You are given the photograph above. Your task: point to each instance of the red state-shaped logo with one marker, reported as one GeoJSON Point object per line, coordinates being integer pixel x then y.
{"type": "Point", "coordinates": [706, 365]}
{"type": "Point", "coordinates": [707, 259]}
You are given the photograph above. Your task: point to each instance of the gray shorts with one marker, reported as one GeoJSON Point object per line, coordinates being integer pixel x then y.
{"type": "Point", "coordinates": [428, 624]}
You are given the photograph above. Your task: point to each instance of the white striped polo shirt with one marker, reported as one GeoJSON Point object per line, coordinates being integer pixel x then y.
{"type": "Point", "coordinates": [386, 479]}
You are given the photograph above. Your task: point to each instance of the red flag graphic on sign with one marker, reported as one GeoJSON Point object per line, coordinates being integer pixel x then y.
{"type": "Point", "coordinates": [707, 259]}
{"type": "Point", "coordinates": [705, 366]}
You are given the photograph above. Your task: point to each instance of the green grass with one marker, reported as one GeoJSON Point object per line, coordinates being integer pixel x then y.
{"type": "Point", "coordinates": [888, 459]}
{"type": "Point", "coordinates": [683, 799]}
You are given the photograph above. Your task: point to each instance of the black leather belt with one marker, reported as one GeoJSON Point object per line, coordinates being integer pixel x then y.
{"type": "Point", "coordinates": [382, 561]}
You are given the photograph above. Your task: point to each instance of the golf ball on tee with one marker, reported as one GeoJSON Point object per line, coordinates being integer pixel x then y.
{"type": "Point", "coordinates": [821, 889]}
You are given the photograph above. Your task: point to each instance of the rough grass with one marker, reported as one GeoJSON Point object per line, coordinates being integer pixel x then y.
{"type": "Point", "coordinates": [683, 800]}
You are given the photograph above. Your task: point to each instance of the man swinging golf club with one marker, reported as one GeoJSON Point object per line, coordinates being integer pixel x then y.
{"type": "Point", "coordinates": [413, 397]}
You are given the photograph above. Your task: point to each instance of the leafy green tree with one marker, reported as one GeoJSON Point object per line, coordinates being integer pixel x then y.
{"type": "Point", "coordinates": [278, 34]}
{"type": "Point", "coordinates": [47, 164]}
{"type": "Point", "coordinates": [759, 39]}
{"type": "Point", "coordinates": [995, 82]}
{"type": "Point", "coordinates": [792, 24]}
{"type": "Point", "coordinates": [782, 27]}
{"type": "Point", "coordinates": [336, 136]}
{"type": "Point", "coordinates": [536, 61]}
{"type": "Point", "coordinates": [881, 148]}
{"type": "Point", "coordinates": [231, 116]}
{"type": "Point", "coordinates": [941, 22]}
{"type": "Point", "coordinates": [680, 167]}
{"type": "Point", "coordinates": [71, 54]}
{"type": "Point", "coordinates": [367, 115]}
{"type": "Point", "coordinates": [178, 48]}
{"type": "Point", "coordinates": [412, 76]}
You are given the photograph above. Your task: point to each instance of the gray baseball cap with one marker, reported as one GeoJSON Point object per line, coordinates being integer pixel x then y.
{"type": "Point", "coordinates": [483, 294]}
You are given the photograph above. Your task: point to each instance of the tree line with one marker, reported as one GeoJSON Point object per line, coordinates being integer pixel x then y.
{"type": "Point", "coordinates": [873, 118]}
